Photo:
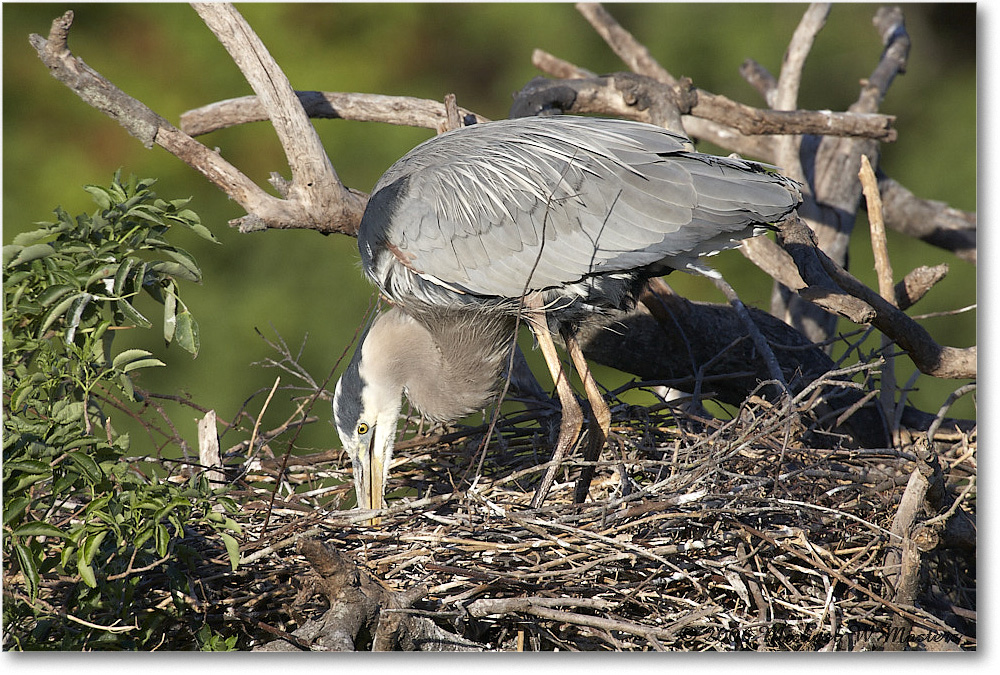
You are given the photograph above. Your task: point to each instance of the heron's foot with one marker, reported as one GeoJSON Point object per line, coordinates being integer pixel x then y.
{"type": "Point", "coordinates": [569, 432]}
{"type": "Point", "coordinates": [598, 431]}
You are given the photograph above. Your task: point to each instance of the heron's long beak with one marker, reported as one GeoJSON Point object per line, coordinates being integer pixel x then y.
{"type": "Point", "coordinates": [369, 482]}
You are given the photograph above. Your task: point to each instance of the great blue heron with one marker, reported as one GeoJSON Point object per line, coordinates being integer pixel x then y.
{"type": "Point", "coordinates": [543, 218]}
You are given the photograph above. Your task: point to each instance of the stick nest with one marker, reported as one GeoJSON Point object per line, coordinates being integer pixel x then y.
{"type": "Point", "coordinates": [697, 535]}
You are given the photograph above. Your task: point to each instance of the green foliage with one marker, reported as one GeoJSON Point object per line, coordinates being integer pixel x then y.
{"type": "Point", "coordinates": [81, 517]}
{"type": "Point", "coordinates": [210, 641]}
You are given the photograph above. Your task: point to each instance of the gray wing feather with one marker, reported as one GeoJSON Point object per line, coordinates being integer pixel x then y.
{"type": "Point", "coordinates": [542, 202]}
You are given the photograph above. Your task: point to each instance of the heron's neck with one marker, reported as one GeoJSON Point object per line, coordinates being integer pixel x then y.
{"type": "Point", "coordinates": [447, 364]}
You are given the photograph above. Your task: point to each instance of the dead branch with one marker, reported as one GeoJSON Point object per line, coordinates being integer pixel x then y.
{"type": "Point", "coordinates": [691, 347]}
{"type": "Point", "coordinates": [633, 53]}
{"type": "Point", "coordinates": [929, 357]}
{"type": "Point", "coordinates": [399, 110]}
{"type": "Point", "coordinates": [314, 184]}
{"type": "Point", "coordinates": [641, 97]}
{"type": "Point", "coordinates": [917, 283]}
{"type": "Point", "coordinates": [933, 222]}
{"type": "Point", "coordinates": [833, 164]}
{"type": "Point", "coordinates": [358, 602]}
{"type": "Point", "coordinates": [556, 67]}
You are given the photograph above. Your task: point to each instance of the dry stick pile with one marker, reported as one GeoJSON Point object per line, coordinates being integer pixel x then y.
{"type": "Point", "coordinates": [763, 531]}
{"type": "Point", "coordinates": [731, 535]}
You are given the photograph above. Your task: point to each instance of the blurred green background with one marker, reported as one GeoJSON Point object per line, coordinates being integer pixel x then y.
{"type": "Point", "coordinates": [300, 284]}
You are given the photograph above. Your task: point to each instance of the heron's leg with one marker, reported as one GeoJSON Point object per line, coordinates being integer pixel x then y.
{"type": "Point", "coordinates": [572, 416]}
{"type": "Point", "coordinates": [600, 423]}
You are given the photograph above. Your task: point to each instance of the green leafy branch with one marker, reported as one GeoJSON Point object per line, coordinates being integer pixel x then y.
{"type": "Point", "coordinates": [76, 510]}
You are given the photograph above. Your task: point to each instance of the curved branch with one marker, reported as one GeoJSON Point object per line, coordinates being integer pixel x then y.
{"type": "Point", "coordinates": [315, 186]}
{"type": "Point", "coordinates": [933, 222]}
{"type": "Point", "coordinates": [151, 129]}
{"type": "Point", "coordinates": [929, 357]}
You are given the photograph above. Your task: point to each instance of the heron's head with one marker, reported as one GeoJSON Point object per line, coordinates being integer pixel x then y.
{"type": "Point", "coordinates": [366, 405]}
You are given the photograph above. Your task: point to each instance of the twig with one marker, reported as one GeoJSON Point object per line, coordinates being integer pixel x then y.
{"type": "Point", "coordinates": [952, 397]}
{"type": "Point", "coordinates": [883, 272]}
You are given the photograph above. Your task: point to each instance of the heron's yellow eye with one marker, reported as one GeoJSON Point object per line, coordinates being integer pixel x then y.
{"type": "Point", "coordinates": [362, 429]}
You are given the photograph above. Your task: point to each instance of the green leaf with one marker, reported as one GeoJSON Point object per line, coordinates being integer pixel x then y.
{"type": "Point", "coordinates": [133, 315]}
{"type": "Point", "coordinates": [92, 545]}
{"type": "Point", "coordinates": [186, 333]}
{"type": "Point", "coordinates": [32, 466]}
{"type": "Point", "coordinates": [170, 312]}
{"type": "Point", "coordinates": [232, 548]}
{"type": "Point", "coordinates": [27, 563]}
{"type": "Point", "coordinates": [35, 236]}
{"type": "Point", "coordinates": [57, 312]}
{"type": "Point", "coordinates": [100, 195]}
{"type": "Point", "coordinates": [162, 539]}
{"type": "Point", "coordinates": [203, 232]}
{"type": "Point", "coordinates": [142, 363]}
{"type": "Point", "coordinates": [13, 508]}
{"type": "Point", "coordinates": [125, 382]}
{"type": "Point", "coordinates": [27, 253]}
{"type": "Point", "coordinates": [53, 293]}
{"type": "Point", "coordinates": [38, 528]}
{"type": "Point", "coordinates": [176, 270]}
{"type": "Point", "coordinates": [85, 570]}
{"type": "Point", "coordinates": [185, 259]}
{"type": "Point", "coordinates": [87, 465]}
{"type": "Point", "coordinates": [121, 275]}
{"type": "Point", "coordinates": [128, 356]}
{"type": "Point", "coordinates": [66, 412]}
{"type": "Point", "coordinates": [25, 481]}
{"type": "Point", "coordinates": [76, 314]}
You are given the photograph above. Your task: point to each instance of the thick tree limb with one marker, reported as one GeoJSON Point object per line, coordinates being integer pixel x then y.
{"type": "Point", "coordinates": [831, 165]}
{"type": "Point", "coordinates": [637, 96]}
{"type": "Point", "coordinates": [933, 222]}
{"type": "Point", "coordinates": [358, 602]}
{"type": "Point", "coordinates": [929, 357]}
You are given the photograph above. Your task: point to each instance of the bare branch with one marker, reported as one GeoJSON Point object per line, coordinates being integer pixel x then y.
{"type": "Point", "coordinates": [832, 164]}
{"type": "Point", "coordinates": [311, 168]}
{"type": "Point", "coordinates": [400, 110]}
{"type": "Point", "coordinates": [929, 357]}
{"type": "Point", "coordinates": [264, 209]}
{"type": "Point", "coordinates": [453, 119]}
{"type": "Point", "coordinates": [139, 120]}
{"type": "Point", "coordinates": [785, 95]}
{"type": "Point", "coordinates": [642, 98]}
{"type": "Point", "coordinates": [631, 51]}
{"type": "Point", "coordinates": [933, 222]}
{"type": "Point", "coordinates": [888, 21]}
{"type": "Point", "coordinates": [315, 186]}
{"type": "Point", "coordinates": [916, 284]}
{"type": "Point", "coordinates": [556, 67]}
{"type": "Point", "coordinates": [760, 78]}
{"type": "Point", "coordinates": [751, 120]}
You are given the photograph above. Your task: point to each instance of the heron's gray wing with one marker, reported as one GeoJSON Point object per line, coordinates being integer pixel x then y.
{"type": "Point", "coordinates": [527, 204]}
